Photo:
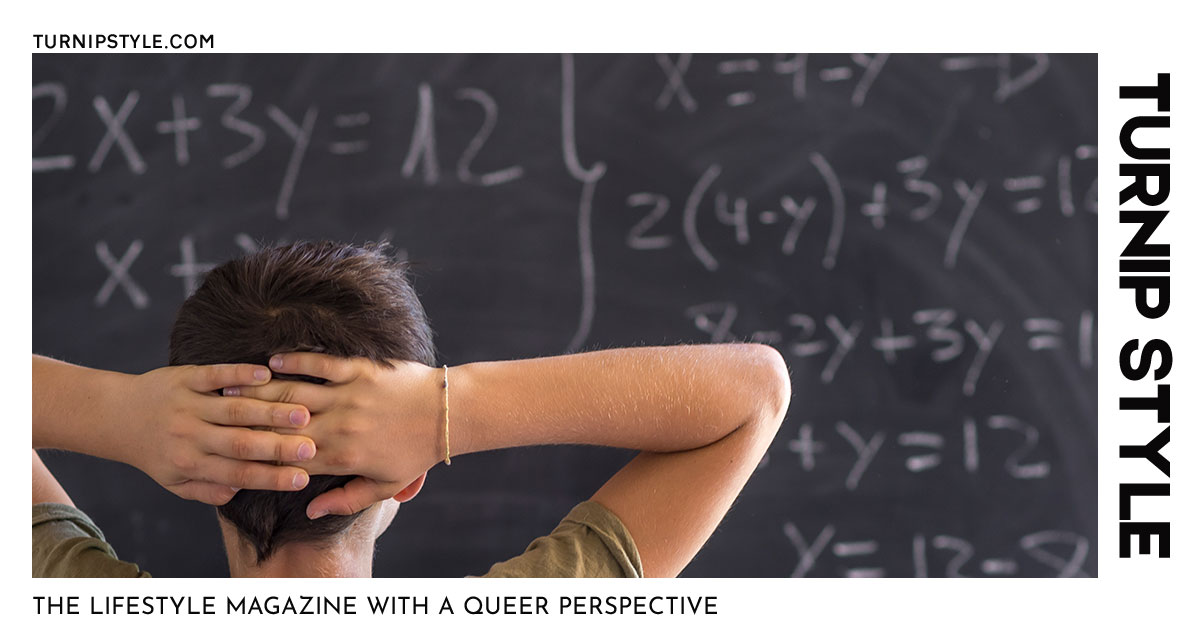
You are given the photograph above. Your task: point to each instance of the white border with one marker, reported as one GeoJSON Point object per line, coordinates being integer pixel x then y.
{"type": "Point", "coordinates": [1135, 41]}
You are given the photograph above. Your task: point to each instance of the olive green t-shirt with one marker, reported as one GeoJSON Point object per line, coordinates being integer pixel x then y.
{"type": "Point", "coordinates": [589, 542]}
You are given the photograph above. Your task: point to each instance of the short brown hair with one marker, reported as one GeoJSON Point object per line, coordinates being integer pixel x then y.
{"type": "Point", "coordinates": [325, 297]}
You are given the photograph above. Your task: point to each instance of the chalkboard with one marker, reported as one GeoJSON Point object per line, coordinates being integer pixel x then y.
{"type": "Point", "coordinates": [915, 233]}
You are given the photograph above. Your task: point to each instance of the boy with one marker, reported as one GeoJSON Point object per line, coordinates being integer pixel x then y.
{"type": "Point", "coordinates": [348, 342]}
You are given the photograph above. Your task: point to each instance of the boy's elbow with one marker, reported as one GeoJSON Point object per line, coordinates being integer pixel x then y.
{"type": "Point", "coordinates": [775, 383]}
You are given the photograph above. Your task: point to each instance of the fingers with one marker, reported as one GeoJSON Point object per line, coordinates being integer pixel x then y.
{"type": "Point", "coordinates": [250, 475]}
{"type": "Point", "coordinates": [313, 397]}
{"type": "Point", "coordinates": [208, 378]}
{"type": "Point", "coordinates": [205, 492]}
{"type": "Point", "coordinates": [351, 498]}
{"type": "Point", "coordinates": [247, 412]}
{"type": "Point", "coordinates": [332, 369]}
{"type": "Point", "coordinates": [264, 446]}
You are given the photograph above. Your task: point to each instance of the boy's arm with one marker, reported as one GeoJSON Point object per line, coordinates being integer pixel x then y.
{"type": "Point", "coordinates": [46, 488]}
{"type": "Point", "coordinates": [702, 415]}
{"type": "Point", "coordinates": [170, 424]}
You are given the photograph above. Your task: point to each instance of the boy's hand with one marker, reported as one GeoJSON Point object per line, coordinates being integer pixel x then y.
{"type": "Point", "coordinates": [175, 427]}
{"type": "Point", "coordinates": [376, 421]}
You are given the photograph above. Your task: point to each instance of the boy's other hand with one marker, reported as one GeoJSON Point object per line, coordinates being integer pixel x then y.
{"type": "Point", "coordinates": [378, 421]}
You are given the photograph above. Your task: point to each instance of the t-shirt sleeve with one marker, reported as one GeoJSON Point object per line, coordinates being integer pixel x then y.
{"type": "Point", "coordinates": [66, 543]}
{"type": "Point", "coordinates": [589, 542]}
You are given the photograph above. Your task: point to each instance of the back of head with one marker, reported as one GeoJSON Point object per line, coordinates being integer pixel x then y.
{"type": "Point", "coordinates": [325, 297]}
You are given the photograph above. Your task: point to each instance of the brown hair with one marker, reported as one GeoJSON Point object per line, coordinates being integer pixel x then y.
{"type": "Point", "coordinates": [326, 297]}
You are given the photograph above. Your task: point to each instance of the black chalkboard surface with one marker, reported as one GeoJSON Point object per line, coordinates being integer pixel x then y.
{"type": "Point", "coordinates": [915, 233]}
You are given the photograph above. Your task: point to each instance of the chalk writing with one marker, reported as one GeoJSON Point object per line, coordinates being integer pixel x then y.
{"type": "Point", "coordinates": [935, 333]}
{"type": "Point", "coordinates": [256, 137]}
{"type": "Point", "coordinates": [58, 93]}
{"type": "Point", "coordinates": [588, 177]}
{"type": "Point", "coordinates": [119, 275]}
{"type": "Point", "coordinates": [179, 126]}
{"type": "Point", "coordinates": [1008, 84]}
{"type": "Point", "coordinates": [115, 133]}
{"type": "Point", "coordinates": [921, 450]}
{"type": "Point", "coordinates": [298, 132]}
{"type": "Point", "coordinates": [747, 221]}
{"type": "Point", "coordinates": [1053, 553]}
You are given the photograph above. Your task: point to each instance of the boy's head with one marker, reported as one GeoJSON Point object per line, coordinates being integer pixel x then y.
{"type": "Point", "coordinates": [319, 297]}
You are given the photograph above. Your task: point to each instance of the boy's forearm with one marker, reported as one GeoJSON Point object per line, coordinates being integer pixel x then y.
{"type": "Point", "coordinates": [70, 407]}
{"type": "Point", "coordinates": [672, 502]}
{"type": "Point", "coordinates": [46, 488]}
{"type": "Point", "coordinates": [663, 399]}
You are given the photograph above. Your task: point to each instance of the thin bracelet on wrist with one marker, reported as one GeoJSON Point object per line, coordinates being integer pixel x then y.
{"type": "Point", "coordinates": [446, 413]}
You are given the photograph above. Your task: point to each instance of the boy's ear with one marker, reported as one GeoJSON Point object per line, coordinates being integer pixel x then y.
{"type": "Point", "coordinates": [411, 490]}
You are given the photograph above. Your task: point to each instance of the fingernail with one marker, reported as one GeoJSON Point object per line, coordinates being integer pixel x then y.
{"type": "Point", "coordinates": [299, 481]}
{"type": "Point", "coordinates": [297, 417]}
{"type": "Point", "coordinates": [232, 391]}
{"type": "Point", "coordinates": [262, 374]}
{"type": "Point", "coordinates": [235, 489]}
{"type": "Point", "coordinates": [318, 514]}
{"type": "Point", "coordinates": [276, 362]}
{"type": "Point", "coordinates": [306, 451]}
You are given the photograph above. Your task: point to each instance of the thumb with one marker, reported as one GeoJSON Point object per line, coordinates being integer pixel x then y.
{"type": "Point", "coordinates": [351, 498]}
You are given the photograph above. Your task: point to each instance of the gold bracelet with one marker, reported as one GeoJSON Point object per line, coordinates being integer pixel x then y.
{"type": "Point", "coordinates": [446, 411]}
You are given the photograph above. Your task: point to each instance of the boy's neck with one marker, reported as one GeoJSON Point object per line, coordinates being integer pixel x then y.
{"type": "Point", "coordinates": [348, 556]}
